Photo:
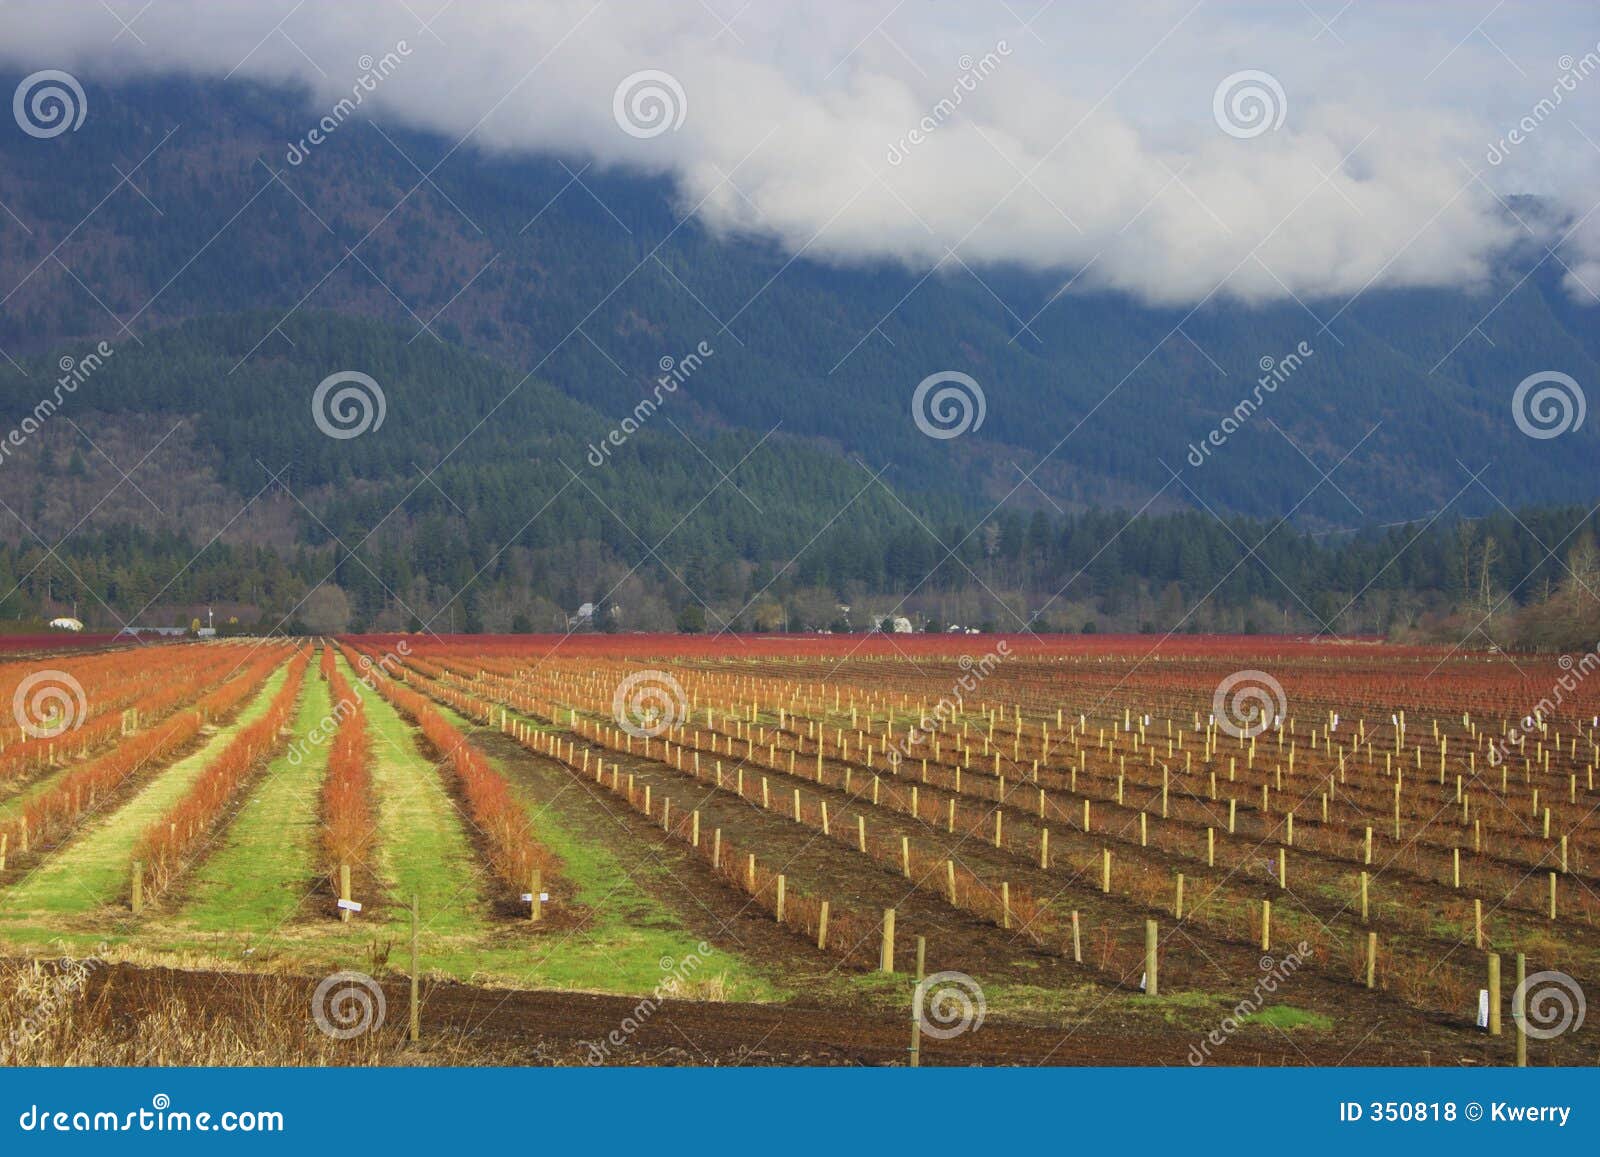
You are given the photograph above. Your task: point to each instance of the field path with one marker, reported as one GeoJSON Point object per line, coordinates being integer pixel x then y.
{"type": "Point", "coordinates": [262, 873]}
{"type": "Point", "coordinates": [92, 867]}
{"type": "Point", "coordinates": [422, 845]}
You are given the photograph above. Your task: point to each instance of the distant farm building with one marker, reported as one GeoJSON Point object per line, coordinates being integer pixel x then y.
{"type": "Point", "coordinates": [66, 623]}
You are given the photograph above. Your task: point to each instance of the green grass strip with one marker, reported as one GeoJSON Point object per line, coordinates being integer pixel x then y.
{"type": "Point", "coordinates": [260, 875]}
{"type": "Point", "coordinates": [92, 868]}
{"type": "Point", "coordinates": [422, 846]}
{"type": "Point", "coordinates": [630, 933]}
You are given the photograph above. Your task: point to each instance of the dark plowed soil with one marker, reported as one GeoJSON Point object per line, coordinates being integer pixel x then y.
{"type": "Point", "coordinates": [1380, 1030]}
{"type": "Point", "coordinates": [813, 863]}
{"type": "Point", "coordinates": [462, 1024]}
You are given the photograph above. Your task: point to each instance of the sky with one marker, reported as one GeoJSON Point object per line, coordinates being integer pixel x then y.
{"type": "Point", "coordinates": [1175, 151]}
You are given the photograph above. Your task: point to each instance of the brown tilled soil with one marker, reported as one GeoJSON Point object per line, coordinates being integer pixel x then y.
{"type": "Point", "coordinates": [466, 1025]}
{"type": "Point", "coordinates": [1045, 1010]}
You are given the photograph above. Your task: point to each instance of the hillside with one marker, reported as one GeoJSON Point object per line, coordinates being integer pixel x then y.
{"type": "Point", "coordinates": [517, 310]}
{"type": "Point", "coordinates": [588, 279]}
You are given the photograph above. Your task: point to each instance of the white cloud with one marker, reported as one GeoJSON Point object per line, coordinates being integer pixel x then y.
{"type": "Point", "coordinates": [1085, 139]}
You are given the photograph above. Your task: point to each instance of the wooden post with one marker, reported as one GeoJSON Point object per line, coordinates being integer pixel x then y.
{"type": "Point", "coordinates": [535, 905]}
{"type": "Point", "coordinates": [778, 907]}
{"type": "Point", "coordinates": [694, 828]}
{"type": "Point", "coordinates": [416, 1008]}
{"type": "Point", "coordinates": [905, 856]}
{"type": "Point", "coordinates": [1005, 905]}
{"type": "Point", "coordinates": [1152, 986]}
{"type": "Point", "coordinates": [950, 880]}
{"type": "Point", "coordinates": [861, 834]}
{"type": "Point", "coordinates": [716, 848]}
{"type": "Point", "coordinates": [1372, 960]}
{"type": "Point", "coordinates": [822, 926]}
{"type": "Point", "coordinates": [1177, 903]}
{"type": "Point", "coordinates": [1494, 994]}
{"type": "Point", "coordinates": [1211, 847]}
{"type": "Point", "coordinates": [1105, 870]}
{"type": "Point", "coordinates": [4, 838]}
{"type": "Point", "coordinates": [1552, 895]}
{"type": "Point", "coordinates": [1266, 925]}
{"type": "Point", "coordinates": [886, 951]}
{"type": "Point", "coordinates": [344, 891]}
{"type": "Point", "coordinates": [750, 873]}
{"type": "Point", "coordinates": [1044, 852]}
{"type": "Point", "coordinates": [1363, 897]}
{"type": "Point", "coordinates": [1519, 1011]}
{"type": "Point", "coordinates": [916, 1005]}
{"type": "Point", "coordinates": [137, 887]}
{"type": "Point", "coordinates": [1077, 939]}
{"type": "Point", "coordinates": [1477, 923]}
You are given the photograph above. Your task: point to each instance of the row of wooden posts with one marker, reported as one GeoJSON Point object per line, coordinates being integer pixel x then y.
{"type": "Point", "coordinates": [1151, 981]}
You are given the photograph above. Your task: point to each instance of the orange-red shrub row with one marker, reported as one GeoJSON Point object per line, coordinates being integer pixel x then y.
{"type": "Point", "coordinates": [513, 853]}
{"type": "Point", "coordinates": [151, 684]}
{"type": "Point", "coordinates": [347, 808]}
{"type": "Point", "coordinates": [58, 808]}
{"type": "Point", "coordinates": [163, 846]}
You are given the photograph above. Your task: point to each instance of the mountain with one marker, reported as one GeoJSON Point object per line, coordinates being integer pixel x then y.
{"type": "Point", "coordinates": [516, 310]}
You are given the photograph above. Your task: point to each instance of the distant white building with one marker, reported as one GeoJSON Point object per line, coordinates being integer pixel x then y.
{"type": "Point", "coordinates": [66, 623]}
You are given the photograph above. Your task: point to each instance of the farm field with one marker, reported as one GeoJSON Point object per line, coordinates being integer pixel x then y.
{"type": "Point", "coordinates": [642, 849]}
